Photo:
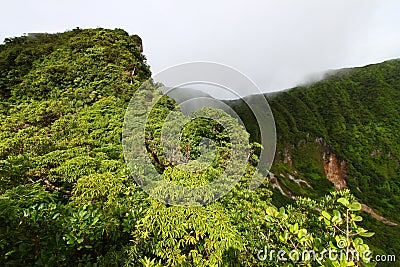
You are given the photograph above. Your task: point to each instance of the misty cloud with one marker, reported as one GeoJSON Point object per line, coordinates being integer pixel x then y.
{"type": "Point", "coordinates": [278, 44]}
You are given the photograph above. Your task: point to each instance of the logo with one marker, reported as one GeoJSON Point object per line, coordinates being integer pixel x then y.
{"type": "Point", "coordinates": [194, 92]}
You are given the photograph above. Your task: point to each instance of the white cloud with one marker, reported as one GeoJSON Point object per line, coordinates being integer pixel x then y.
{"type": "Point", "coordinates": [276, 43]}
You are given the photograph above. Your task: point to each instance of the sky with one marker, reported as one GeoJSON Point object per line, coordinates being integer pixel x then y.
{"type": "Point", "coordinates": [277, 44]}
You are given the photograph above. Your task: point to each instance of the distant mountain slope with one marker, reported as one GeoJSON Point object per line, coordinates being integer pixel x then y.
{"type": "Point", "coordinates": [343, 131]}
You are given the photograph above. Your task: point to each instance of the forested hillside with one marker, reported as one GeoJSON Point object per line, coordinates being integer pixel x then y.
{"type": "Point", "coordinates": [341, 132]}
{"type": "Point", "coordinates": [67, 197]}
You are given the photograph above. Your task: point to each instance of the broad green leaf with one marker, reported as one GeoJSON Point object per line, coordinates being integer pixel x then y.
{"type": "Point", "coordinates": [367, 234]}
{"type": "Point", "coordinates": [344, 201]}
{"type": "Point", "coordinates": [355, 206]}
{"type": "Point", "coordinates": [326, 215]}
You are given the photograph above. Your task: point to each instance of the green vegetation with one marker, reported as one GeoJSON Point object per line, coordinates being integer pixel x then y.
{"type": "Point", "coordinates": [355, 115]}
{"type": "Point", "coordinates": [68, 199]}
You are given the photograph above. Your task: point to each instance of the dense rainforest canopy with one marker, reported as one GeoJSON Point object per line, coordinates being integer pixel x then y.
{"type": "Point", "coordinates": [67, 197]}
{"type": "Point", "coordinates": [353, 115]}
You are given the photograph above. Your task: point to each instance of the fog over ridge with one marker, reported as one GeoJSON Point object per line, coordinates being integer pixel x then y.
{"type": "Point", "coordinates": [278, 44]}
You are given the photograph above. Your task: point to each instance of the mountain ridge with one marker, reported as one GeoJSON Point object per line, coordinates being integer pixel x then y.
{"type": "Point", "coordinates": [344, 129]}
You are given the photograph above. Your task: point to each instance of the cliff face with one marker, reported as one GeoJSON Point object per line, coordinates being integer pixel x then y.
{"type": "Point", "coordinates": [335, 170]}
{"type": "Point", "coordinates": [138, 42]}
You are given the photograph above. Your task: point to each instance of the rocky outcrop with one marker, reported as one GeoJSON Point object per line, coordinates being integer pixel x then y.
{"type": "Point", "coordinates": [335, 170]}
{"type": "Point", "coordinates": [274, 182]}
{"type": "Point", "coordinates": [287, 158]}
{"type": "Point", "coordinates": [298, 181]}
{"type": "Point", "coordinates": [138, 42]}
{"type": "Point", "coordinates": [294, 179]}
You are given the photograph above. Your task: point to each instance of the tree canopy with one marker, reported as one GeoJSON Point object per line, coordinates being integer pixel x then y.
{"type": "Point", "coordinates": [67, 197]}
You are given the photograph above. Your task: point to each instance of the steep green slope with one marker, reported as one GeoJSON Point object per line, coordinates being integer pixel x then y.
{"type": "Point", "coordinates": [66, 195]}
{"type": "Point", "coordinates": [68, 199]}
{"type": "Point", "coordinates": [346, 127]}
{"type": "Point", "coordinates": [63, 100]}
